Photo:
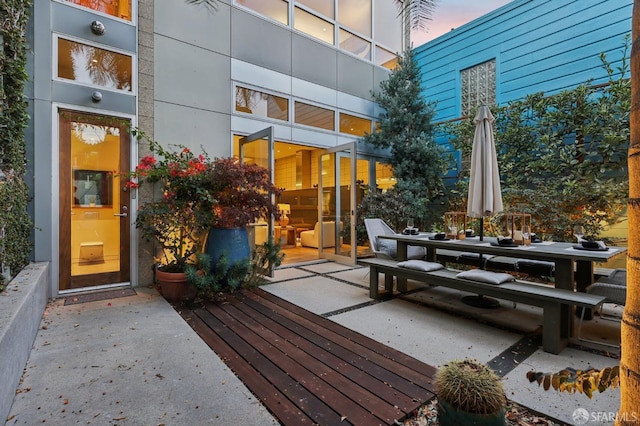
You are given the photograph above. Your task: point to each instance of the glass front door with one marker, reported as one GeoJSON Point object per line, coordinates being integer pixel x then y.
{"type": "Point", "coordinates": [257, 148]}
{"type": "Point", "coordinates": [94, 206]}
{"type": "Point", "coordinates": [337, 204]}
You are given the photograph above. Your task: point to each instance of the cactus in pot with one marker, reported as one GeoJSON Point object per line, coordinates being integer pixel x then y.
{"type": "Point", "coordinates": [469, 393]}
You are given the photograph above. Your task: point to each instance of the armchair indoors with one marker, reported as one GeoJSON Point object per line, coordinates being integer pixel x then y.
{"type": "Point", "coordinates": [311, 238]}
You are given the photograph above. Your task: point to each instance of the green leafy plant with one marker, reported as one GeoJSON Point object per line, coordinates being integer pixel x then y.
{"type": "Point", "coordinates": [571, 380]}
{"type": "Point", "coordinates": [14, 192]}
{"type": "Point", "coordinates": [180, 216]}
{"type": "Point", "coordinates": [562, 158]}
{"type": "Point", "coordinates": [232, 277]}
{"type": "Point", "coordinates": [243, 193]}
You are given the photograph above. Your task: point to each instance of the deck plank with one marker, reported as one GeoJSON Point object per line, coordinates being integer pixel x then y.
{"type": "Point", "coordinates": [308, 369]}
{"type": "Point", "coordinates": [279, 405]}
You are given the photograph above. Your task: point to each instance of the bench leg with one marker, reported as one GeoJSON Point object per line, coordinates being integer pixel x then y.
{"type": "Point", "coordinates": [374, 290]}
{"type": "Point", "coordinates": [402, 284]}
{"type": "Point", "coordinates": [373, 282]}
{"type": "Point", "coordinates": [388, 283]}
{"type": "Point", "coordinates": [553, 340]}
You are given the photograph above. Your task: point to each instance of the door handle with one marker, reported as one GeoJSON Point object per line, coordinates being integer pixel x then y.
{"type": "Point", "coordinates": [124, 212]}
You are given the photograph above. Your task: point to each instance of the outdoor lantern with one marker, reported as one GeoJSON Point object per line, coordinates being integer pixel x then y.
{"type": "Point", "coordinates": [518, 227]}
{"type": "Point", "coordinates": [455, 224]}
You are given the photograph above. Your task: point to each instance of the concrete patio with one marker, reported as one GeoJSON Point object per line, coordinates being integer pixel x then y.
{"type": "Point", "coordinates": [133, 360]}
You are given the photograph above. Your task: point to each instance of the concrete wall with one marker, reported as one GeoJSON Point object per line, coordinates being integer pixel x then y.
{"type": "Point", "coordinates": [21, 307]}
{"type": "Point", "coordinates": [199, 54]}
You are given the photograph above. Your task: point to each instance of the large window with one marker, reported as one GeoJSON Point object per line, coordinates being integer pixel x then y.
{"type": "Point", "coordinates": [262, 104]}
{"type": "Point", "coordinates": [387, 25]}
{"type": "Point", "coordinates": [325, 7]}
{"type": "Point", "coordinates": [478, 85]}
{"type": "Point", "coordinates": [354, 125]}
{"type": "Point", "coordinates": [274, 9]}
{"type": "Point", "coordinates": [117, 8]}
{"type": "Point", "coordinates": [314, 26]}
{"type": "Point", "coordinates": [354, 44]}
{"type": "Point", "coordinates": [355, 14]}
{"type": "Point", "coordinates": [362, 27]}
{"type": "Point", "coordinates": [92, 65]}
{"type": "Point", "coordinates": [311, 115]}
{"type": "Point", "coordinates": [385, 58]}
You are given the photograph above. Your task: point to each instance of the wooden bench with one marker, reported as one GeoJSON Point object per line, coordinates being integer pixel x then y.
{"type": "Point", "coordinates": [550, 299]}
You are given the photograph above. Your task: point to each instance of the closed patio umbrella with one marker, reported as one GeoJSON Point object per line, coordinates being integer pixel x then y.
{"type": "Point", "coordinates": [485, 196]}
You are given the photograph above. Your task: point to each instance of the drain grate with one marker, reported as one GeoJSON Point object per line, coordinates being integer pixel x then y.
{"type": "Point", "coordinates": [98, 295]}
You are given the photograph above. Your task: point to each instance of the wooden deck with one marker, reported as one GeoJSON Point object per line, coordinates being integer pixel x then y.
{"type": "Point", "coordinates": [307, 369]}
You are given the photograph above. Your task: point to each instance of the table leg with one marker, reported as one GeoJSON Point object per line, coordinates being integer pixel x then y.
{"type": "Point", "coordinates": [401, 254]}
{"type": "Point", "coordinates": [584, 278]}
{"type": "Point", "coordinates": [431, 254]}
{"type": "Point", "coordinates": [564, 277]}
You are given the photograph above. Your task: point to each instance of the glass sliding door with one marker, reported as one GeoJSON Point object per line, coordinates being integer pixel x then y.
{"type": "Point", "coordinates": [337, 190]}
{"type": "Point", "coordinates": [258, 148]}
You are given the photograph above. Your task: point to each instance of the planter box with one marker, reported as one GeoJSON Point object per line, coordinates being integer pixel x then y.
{"type": "Point", "coordinates": [21, 307]}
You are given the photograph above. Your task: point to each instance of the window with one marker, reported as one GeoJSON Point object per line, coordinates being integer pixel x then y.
{"type": "Point", "coordinates": [478, 86]}
{"type": "Point", "coordinates": [354, 44]}
{"type": "Point", "coordinates": [354, 125]}
{"type": "Point", "coordinates": [355, 26]}
{"type": "Point", "coordinates": [385, 58]}
{"type": "Point", "coordinates": [356, 15]}
{"type": "Point", "coordinates": [117, 8]}
{"type": "Point", "coordinates": [311, 115]}
{"type": "Point", "coordinates": [324, 7]}
{"type": "Point", "coordinates": [261, 104]}
{"type": "Point", "coordinates": [274, 9]}
{"type": "Point", "coordinates": [92, 65]}
{"type": "Point", "coordinates": [387, 25]}
{"type": "Point", "coordinates": [314, 26]}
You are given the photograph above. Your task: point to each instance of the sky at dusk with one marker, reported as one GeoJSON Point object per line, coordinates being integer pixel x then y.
{"type": "Point", "coordinates": [450, 14]}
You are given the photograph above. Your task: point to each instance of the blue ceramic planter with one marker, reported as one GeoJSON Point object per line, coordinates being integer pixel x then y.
{"type": "Point", "coordinates": [232, 242]}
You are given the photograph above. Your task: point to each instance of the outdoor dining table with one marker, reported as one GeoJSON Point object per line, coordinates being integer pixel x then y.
{"type": "Point", "coordinates": [574, 268]}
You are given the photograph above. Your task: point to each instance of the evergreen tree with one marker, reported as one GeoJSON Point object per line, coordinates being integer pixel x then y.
{"type": "Point", "coordinates": [405, 129]}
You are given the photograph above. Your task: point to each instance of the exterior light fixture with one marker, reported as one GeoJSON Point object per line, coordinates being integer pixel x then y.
{"type": "Point", "coordinates": [97, 28]}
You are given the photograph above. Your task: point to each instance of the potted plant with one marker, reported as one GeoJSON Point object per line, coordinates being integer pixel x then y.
{"type": "Point", "coordinates": [178, 216]}
{"type": "Point", "coordinates": [243, 194]}
{"type": "Point", "coordinates": [469, 393]}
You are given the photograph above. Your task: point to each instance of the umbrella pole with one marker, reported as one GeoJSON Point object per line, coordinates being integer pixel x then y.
{"type": "Point", "coordinates": [480, 301]}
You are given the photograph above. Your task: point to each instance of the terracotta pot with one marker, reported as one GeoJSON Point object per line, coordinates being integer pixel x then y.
{"type": "Point", "coordinates": [174, 286]}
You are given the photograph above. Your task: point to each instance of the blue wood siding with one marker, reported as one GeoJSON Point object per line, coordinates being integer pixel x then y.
{"type": "Point", "coordinates": [538, 45]}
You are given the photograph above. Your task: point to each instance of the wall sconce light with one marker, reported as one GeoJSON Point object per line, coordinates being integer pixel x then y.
{"type": "Point", "coordinates": [96, 96]}
{"type": "Point", "coordinates": [97, 28]}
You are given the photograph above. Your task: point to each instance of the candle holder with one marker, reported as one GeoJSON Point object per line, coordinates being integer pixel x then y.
{"type": "Point", "coordinates": [518, 227]}
{"type": "Point", "coordinates": [455, 224]}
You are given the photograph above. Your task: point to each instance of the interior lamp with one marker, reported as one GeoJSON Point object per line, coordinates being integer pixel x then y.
{"type": "Point", "coordinates": [285, 209]}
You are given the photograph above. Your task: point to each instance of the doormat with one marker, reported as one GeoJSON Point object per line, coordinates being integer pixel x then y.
{"type": "Point", "coordinates": [98, 295]}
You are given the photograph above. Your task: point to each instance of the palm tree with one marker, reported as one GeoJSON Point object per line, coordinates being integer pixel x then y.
{"type": "Point", "coordinates": [630, 328]}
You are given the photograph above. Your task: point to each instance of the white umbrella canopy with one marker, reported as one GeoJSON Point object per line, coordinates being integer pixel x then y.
{"type": "Point", "coordinates": [485, 195]}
